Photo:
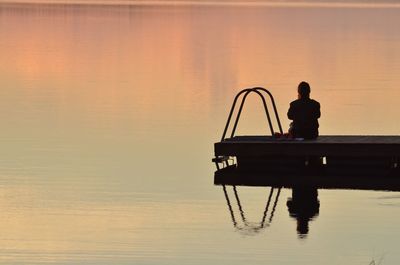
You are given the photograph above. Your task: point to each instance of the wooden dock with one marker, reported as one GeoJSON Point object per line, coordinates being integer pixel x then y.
{"type": "Point", "coordinates": [330, 155]}
{"type": "Point", "coordinates": [333, 154]}
{"type": "Point", "coordinates": [324, 146]}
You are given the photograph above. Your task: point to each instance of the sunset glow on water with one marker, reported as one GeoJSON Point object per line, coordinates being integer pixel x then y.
{"type": "Point", "coordinates": [109, 116]}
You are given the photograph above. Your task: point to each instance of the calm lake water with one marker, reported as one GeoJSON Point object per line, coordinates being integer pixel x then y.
{"type": "Point", "coordinates": [109, 115]}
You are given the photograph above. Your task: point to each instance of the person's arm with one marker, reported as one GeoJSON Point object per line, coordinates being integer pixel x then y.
{"type": "Point", "coordinates": [318, 110]}
{"type": "Point", "coordinates": [290, 113]}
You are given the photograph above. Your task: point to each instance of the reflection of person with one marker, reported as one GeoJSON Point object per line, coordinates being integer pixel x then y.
{"type": "Point", "coordinates": [304, 206]}
{"type": "Point", "coordinates": [305, 113]}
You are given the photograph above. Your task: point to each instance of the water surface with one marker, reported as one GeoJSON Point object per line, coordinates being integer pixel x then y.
{"type": "Point", "coordinates": [109, 115]}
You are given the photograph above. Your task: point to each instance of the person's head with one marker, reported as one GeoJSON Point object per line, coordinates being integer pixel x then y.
{"type": "Point", "coordinates": [304, 90]}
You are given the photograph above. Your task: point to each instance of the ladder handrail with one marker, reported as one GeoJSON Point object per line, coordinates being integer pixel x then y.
{"type": "Point", "coordinates": [273, 105]}
{"type": "Point", "coordinates": [231, 112]}
{"type": "Point", "coordinates": [241, 108]}
{"type": "Point", "coordinates": [247, 91]}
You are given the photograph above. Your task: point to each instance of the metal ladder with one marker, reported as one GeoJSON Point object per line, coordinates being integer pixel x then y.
{"type": "Point", "coordinates": [260, 91]}
{"type": "Point", "coordinates": [245, 93]}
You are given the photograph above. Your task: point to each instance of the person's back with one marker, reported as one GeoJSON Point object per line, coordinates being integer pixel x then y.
{"type": "Point", "coordinates": [305, 113]}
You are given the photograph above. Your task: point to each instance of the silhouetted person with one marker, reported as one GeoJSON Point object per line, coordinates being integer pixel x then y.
{"type": "Point", "coordinates": [304, 206]}
{"type": "Point", "coordinates": [305, 113]}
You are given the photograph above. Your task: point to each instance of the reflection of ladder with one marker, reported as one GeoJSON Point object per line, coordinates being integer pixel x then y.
{"type": "Point", "coordinates": [245, 92]}
{"type": "Point", "coordinates": [248, 227]}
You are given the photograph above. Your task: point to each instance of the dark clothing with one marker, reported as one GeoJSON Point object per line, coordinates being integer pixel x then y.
{"type": "Point", "coordinates": [305, 113]}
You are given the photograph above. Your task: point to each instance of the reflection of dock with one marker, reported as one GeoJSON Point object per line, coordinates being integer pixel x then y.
{"type": "Point", "coordinates": [359, 180]}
